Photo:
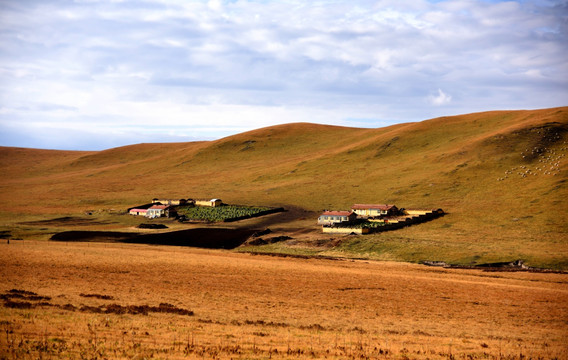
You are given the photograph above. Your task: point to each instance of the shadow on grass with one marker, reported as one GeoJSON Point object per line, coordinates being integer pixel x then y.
{"type": "Point", "coordinates": [208, 238]}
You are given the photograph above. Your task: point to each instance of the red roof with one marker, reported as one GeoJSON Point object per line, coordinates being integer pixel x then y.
{"type": "Point", "coordinates": [372, 206]}
{"type": "Point", "coordinates": [159, 207]}
{"type": "Point", "coordinates": [138, 210]}
{"type": "Point", "coordinates": [337, 213]}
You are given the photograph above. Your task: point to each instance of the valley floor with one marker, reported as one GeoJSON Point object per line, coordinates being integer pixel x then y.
{"type": "Point", "coordinates": [108, 300]}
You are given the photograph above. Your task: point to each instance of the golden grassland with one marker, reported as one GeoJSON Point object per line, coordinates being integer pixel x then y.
{"type": "Point", "coordinates": [501, 176]}
{"type": "Point", "coordinates": [257, 307]}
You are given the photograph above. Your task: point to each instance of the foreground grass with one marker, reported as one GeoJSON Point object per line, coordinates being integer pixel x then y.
{"type": "Point", "coordinates": [257, 307]}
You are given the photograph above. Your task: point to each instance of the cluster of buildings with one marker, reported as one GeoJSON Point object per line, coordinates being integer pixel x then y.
{"type": "Point", "coordinates": [358, 211]}
{"type": "Point", "coordinates": [368, 218]}
{"type": "Point", "coordinates": [361, 219]}
{"type": "Point", "coordinates": [167, 207]}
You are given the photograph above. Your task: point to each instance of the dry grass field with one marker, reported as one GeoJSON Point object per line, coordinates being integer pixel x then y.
{"type": "Point", "coordinates": [502, 178]}
{"type": "Point", "coordinates": [96, 301]}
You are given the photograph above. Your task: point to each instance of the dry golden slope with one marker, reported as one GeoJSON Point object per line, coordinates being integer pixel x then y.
{"type": "Point", "coordinates": [469, 165]}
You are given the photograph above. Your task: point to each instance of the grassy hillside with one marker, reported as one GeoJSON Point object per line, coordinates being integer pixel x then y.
{"type": "Point", "coordinates": [501, 176]}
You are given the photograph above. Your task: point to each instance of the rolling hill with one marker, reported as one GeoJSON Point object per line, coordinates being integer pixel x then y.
{"type": "Point", "coordinates": [501, 176]}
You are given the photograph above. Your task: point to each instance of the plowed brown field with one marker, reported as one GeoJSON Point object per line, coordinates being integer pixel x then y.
{"type": "Point", "coordinates": [97, 300]}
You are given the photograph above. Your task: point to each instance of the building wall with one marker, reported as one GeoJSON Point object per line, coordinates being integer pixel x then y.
{"type": "Point", "coordinates": [208, 203]}
{"type": "Point", "coordinates": [331, 219]}
{"type": "Point", "coordinates": [369, 212]}
{"type": "Point", "coordinates": [361, 212]}
{"type": "Point", "coordinates": [374, 212]}
{"type": "Point", "coordinates": [336, 219]}
{"type": "Point", "coordinates": [154, 213]}
{"type": "Point", "coordinates": [423, 212]}
{"type": "Point", "coordinates": [334, 230]}
{"type": "Point", "coordinates": [169, 201]}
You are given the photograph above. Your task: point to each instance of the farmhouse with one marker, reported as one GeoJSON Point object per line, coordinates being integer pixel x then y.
{"type": "Point", "coordinates": [157, 211]}
{"type": "Point", "coordinates": [336, 217]}
{"type": "Point", "coordinates": [370, 218]}
{"type": "Point", "coordinates": [371, 210]}
{"type": "Point", "coordinates": [210, 203]}
{"type": "Point", "coordinates": [141, 212]}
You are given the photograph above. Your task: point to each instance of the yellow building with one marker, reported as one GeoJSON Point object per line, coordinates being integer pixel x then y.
{"type": "Point", "coordinates": [210, 203]}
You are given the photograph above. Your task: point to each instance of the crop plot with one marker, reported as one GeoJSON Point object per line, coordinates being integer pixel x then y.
{"type": "Point", "coordinates": [225, 213]}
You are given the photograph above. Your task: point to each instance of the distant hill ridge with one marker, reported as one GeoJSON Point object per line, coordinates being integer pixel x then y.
{"type": "Point", "coordinates": [499, 174]}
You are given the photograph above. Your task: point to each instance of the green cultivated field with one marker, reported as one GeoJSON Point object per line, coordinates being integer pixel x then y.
{"type": "Point", "coordinates": [220, 213]}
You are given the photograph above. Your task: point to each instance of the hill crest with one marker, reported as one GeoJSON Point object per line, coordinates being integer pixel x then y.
{"type": "Point", "coordinates": [500, 175]}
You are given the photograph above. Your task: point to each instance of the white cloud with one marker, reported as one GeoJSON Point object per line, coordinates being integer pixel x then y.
{"type": "Point", "coordinates": [440, 99]}
{"type": "Point", "coordinates": [241, 64]}
{"type": "Point", "coordinates": [215, 5]}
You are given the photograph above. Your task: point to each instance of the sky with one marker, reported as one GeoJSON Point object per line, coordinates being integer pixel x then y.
{"type": "Point", "coordinates": [97, 74]}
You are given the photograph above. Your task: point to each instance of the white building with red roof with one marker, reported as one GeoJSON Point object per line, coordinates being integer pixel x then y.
{"type": "Point", "coordinates": [157, 211]}
{"type": "Point", "coordinates": [371, 210]}
{"type": "Point", "coordinates": [336, 217]}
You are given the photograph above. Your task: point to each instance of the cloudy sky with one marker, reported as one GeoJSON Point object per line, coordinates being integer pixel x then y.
{"type": "Point", "coordinates": [95, 74]}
